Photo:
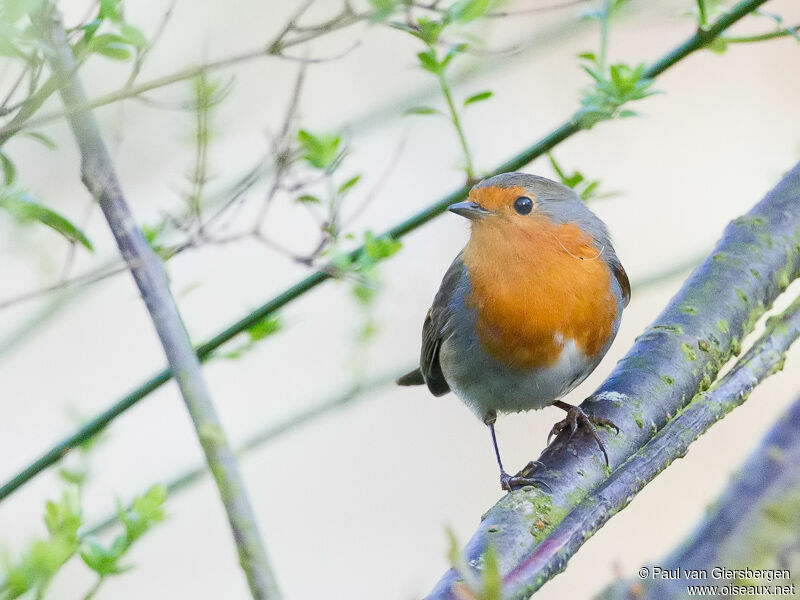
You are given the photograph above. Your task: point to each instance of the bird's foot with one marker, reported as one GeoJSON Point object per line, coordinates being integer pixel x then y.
{"type": "Point", "coordinates": [522, 479]}
{"type": "Point", "coordinates": [575, 416]}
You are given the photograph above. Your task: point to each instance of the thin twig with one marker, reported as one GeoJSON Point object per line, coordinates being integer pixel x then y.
{"type": "Point", "coordinates": [101, 180]}
{"type": "Point", "coordinates": [271, 432]}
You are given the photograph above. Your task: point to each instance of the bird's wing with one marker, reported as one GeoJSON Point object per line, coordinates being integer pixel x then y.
{"type": "Point", "coordinates": [622, 278]}
{"type": "Point", "coordinates": [434, 328]}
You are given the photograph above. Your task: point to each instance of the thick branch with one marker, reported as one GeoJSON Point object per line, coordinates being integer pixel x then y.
{"type": "Point", "coordinates": [101, 180]}
{"type": "Point", "coordinates": [677, 356]}
{"type": "Point", "coordinates": [754, 523]}
{"type": "Point", "coordinates": [204, 351]}
{"type": "Point", "coordinates": [551, 556]}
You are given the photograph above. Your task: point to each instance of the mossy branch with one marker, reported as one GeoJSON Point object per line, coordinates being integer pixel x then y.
{"type": "Point", "coordinates": [754, 522]}
{"type": "Point", "coordinates": [100, 178]}
{"type": "Point", "coordinates": [535, 530]}
{"type": "Point", "coordinates": [205, 351]}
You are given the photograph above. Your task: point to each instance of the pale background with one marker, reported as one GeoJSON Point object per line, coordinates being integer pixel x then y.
{"type": "Point", "coordinates": [356, 504]}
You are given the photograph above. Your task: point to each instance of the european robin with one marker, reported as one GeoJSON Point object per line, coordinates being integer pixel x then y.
{"type": "Point", "coordinates": [528, 308]}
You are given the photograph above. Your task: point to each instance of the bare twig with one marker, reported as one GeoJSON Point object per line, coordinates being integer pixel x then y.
{"type": "Point", "coordinates": [101, 180]}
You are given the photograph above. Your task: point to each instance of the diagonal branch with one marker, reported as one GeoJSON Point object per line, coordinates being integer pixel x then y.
{"type": "Point", "coordinates": [753, 524]}
{"type": "Point", "coordinates": [677, 356]}
{"type": "Point", "coordinates": [694, 43]}
{"type": "Point", "coordinates": [762, 360]}
{"type": "Point", "coordinates": [101, 180]}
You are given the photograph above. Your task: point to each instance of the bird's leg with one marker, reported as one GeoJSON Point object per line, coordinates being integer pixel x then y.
{"type": "Point", "coordinates": [574, 416]}
{"type": "Point", "coordinates": [511, 482]}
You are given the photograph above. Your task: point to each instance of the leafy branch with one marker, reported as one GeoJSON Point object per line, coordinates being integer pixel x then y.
{"type": "Point", "coordinates": [37, 565]}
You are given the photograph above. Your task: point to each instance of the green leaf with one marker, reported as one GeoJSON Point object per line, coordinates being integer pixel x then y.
{"type": "Point", "coordinates": [12, 11]}
{"type": "Point", "coordinates": [308, 199]}
{"type": "Point", "coordinates": [24, 208]}
{"type": "Point", "coordinates": [422, 110]}
{"type": "Point", "coordinates": [429, 62]}
{"type": "Point", "coordinates": [428, 30]}
{"type": "Point", "coordinates": [110, 45]}
{"type": "Point", "coordinates": [382, 8]}
{"type": "Point", "coordinates": [380, 248]}
{"type": "Point", "coordinates": [718, 45]}
{"type": "Point", "coordinates": [41, 138]}
{"type": "Point", "coordinates": [465, 11]}
{"type": "Point", "coordinates": [109, 9]}
{"type": "Point", "coordinates": [492, 580]}
{"type": "Point", "coordinates": [265, 327]}
{"type": "Point", "coordinates": [478, 98]}
{"type": "Point", "coordinates": [347, 185]}
{"type": "Point", "coordinates": [9, 170]}
{"type": "Point", "coordinates": [454, 51]}
{"type": "Point", "coordinates": [319, 151]}
{"type": "Point", "coordinates": [63, 518]}
{"type": "Point", "coordinates": [133, 36]}
{"type": "Point", "coordinates": [100, 559]}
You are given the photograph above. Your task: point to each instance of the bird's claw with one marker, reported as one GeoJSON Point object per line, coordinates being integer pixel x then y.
{"type": "Point", "coordinates": [523, 478]}
{"type": "Point", "coordinates": [575, 416]}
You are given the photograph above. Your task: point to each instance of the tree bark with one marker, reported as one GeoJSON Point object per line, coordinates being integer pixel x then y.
{"type": "Point", "coordinates": [754, 523]}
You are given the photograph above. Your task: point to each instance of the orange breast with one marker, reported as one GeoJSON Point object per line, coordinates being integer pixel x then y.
{"type": "Point", "coordinates": [535, 288]}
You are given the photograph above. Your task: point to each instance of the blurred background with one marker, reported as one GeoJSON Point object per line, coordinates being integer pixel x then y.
{"type": "Point", "coordinates": [355, 503]}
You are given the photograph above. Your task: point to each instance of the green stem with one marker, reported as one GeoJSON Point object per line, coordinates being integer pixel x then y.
{"type": "Point", "coordinates": [702, 14]}
{"type": "Point", "coordinates": [746, 39]}
{"type": "Point", "coordinates": [448, 96]}
{"type": "Point", "coordinates": [604, 23]}
{"type": "Point", "coordinates": [92, 592]}
{"type": "Point", "coordinates": [204, 351]}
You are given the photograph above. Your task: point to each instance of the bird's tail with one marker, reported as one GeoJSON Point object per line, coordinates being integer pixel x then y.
{"type": "Point", "coordinates": [412, 378]}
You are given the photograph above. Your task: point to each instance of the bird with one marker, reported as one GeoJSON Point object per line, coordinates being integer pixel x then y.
{"type": "Point", "coordinates": [528, 308]}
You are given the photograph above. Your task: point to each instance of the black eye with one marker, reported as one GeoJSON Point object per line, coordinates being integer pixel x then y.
{"type": "Point", "coordinates": [523, 205]}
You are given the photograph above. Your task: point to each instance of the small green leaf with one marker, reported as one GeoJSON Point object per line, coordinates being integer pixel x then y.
{"type": "Point", "coordinates": [382, 8]}
{"type": "Point", "coordinates": [109, 9]}
{"type": "Point", "coordinates": [9, 170]}
{"type": "Point", "coordinates": [99, 559]}
{"type": "Point", "coordinates": [429, 62]}
{"type": "Point", "coordinates": [320, 151]}
{"type": "Point", "coordinates": [478, 98]}
{"type": "Point", "coordinates": [133, 36]}
{"type": "Point", "coordinates": [422, 110]}
{"type": "Point", "coordinates": [110, 45]}
{"type": "Point", "coordinates": [347, 185]}
{"type": "Point", "coordinates": [428, 30]}
{"type": "Point", "coordinates": [265, 327]}
{"type": "Point", "coordinates": [381, 247]}
{"type": "Point", "coordinates": [454, 51]}
{"type": "Point", "coordinates": [492, 580]}
{"type": "Point", "coordinates": [25, 208]}
{"type": "Point", "coordinates": [465, 11]}
{"type": "Point", "coordinates": [41, 138]}
{"type": "Point", "coordinates": [308, 199]}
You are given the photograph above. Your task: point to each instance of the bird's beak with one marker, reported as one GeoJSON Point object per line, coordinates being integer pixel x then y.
{"type": "Point", "coordinates": [468, 209]}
